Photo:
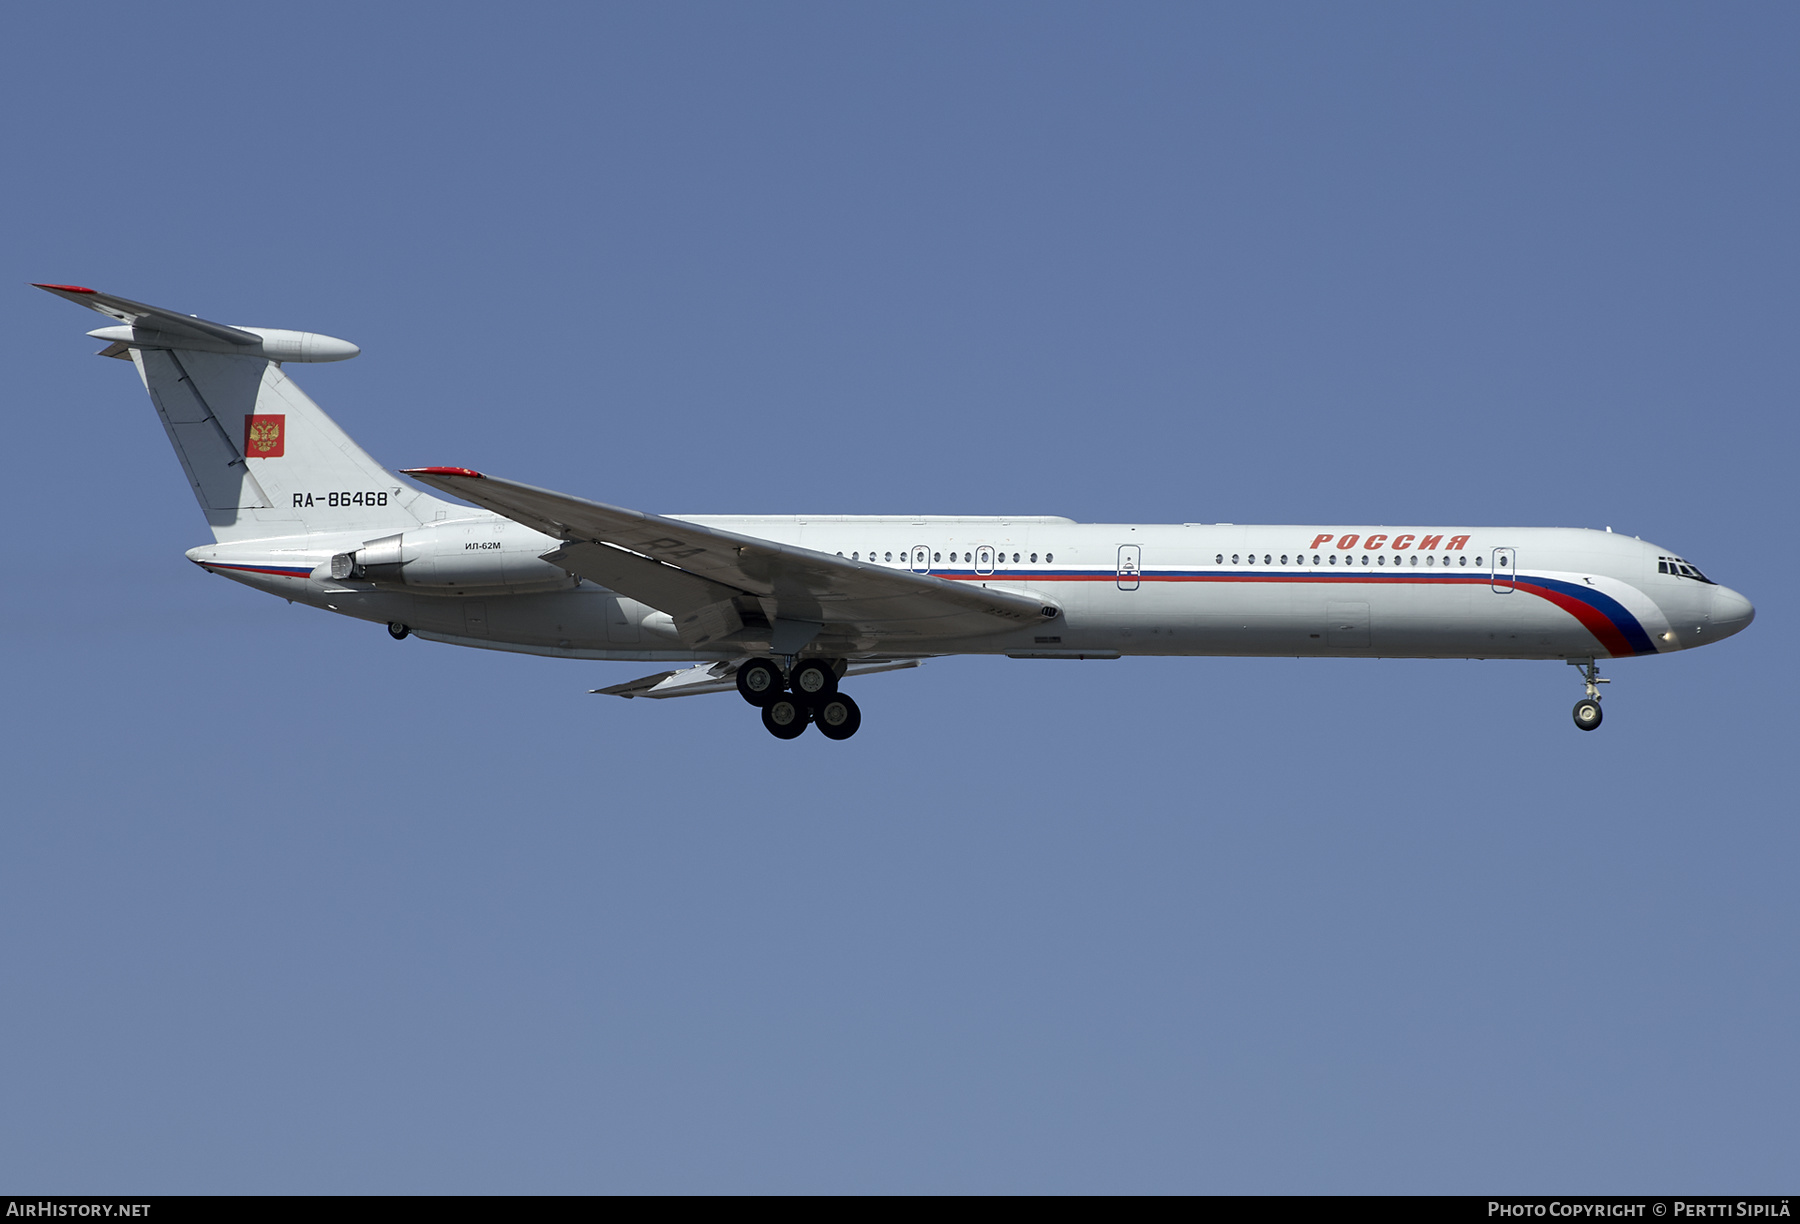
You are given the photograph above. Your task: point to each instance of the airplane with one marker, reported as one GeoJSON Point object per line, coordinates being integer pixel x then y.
{"type": "Point", "coordinates": [782, 608]}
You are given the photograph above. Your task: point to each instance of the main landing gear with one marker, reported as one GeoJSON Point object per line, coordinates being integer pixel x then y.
{"type": "Point", "coordinates": [1587, 710]}
{"type": "Point", "coordinates": [806, 694]}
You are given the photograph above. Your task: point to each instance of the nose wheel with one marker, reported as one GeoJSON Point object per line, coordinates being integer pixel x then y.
{"type": "Point", "coordinates": [1587, 710]}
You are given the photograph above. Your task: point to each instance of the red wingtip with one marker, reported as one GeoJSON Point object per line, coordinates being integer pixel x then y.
{"type": "Point", "coordinates": [441, 471]}
{"type": "Point", "coordinates": [64, 288]}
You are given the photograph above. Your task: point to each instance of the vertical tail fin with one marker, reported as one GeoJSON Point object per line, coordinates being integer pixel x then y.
{"type": "Point", "coordinates": [262, 458]}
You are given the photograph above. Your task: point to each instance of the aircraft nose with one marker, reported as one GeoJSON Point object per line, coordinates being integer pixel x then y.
{"type": "Point", "coordinates": [1731, 612]}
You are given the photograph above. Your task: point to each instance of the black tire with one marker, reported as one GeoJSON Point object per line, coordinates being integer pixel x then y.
{"type": "Point", "coordinates": [838, 717]}
{"type": "Point", "coordinates": [1587, 713]}
{"type": "Point", "coordinates": [786, 718]}
{"type": "Point", "coordinates": [812, 680]}
{"type": "Point", "coordinates": [397, 631]}
{"type": "Point", "coordinates": [759, 681]}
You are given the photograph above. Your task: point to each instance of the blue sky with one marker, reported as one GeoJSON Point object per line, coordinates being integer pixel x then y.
{"type": "Point", "coordinates": [285, 906]}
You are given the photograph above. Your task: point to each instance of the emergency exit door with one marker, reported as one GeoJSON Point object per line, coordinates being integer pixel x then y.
{"type": "Point", "coordinates": [1131, 566]}
{"type": "Point", "coordinates": [1501, 575]}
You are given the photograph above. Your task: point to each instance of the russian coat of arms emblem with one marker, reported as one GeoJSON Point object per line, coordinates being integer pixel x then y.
{"type": "Point", "coordinates": [265, 436]}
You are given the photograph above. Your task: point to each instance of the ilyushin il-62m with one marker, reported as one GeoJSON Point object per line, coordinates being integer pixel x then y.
{"type": "Point", "coordinates": [785, 608]}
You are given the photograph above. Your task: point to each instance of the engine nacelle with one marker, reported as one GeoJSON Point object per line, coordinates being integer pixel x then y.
{"type": "Point", "coordinates": [448, 560]}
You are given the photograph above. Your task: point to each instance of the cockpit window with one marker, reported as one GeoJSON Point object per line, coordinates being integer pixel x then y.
{"type": "Point", "coordinates": [1681, 569]}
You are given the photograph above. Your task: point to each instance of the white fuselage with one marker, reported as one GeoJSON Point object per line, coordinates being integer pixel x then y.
{"type": "Point", "coordinates": [1188, 589]}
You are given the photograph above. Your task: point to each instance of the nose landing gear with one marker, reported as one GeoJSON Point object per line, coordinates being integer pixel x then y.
{"type": "Point", "coordinates": [1587, 710]}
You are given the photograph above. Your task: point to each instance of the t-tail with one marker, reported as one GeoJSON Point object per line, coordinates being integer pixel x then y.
{"type": "Point", "coordinates": [264, 461]}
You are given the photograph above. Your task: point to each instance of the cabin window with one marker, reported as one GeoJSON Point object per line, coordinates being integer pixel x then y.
{"type": "Point", "coordinates": [937, 556]}
{"type": "Point", "coordinates": [1049, 557]}
{"type": "Point", "coordinates": [1415, 558]}
{"type": "Point", "coordinates": [856, 556]}
{"type": "Point", "coordinates": [1334, 558]}
{"type": "Point", "coordinates": [1234, 558]}
{"type": "Point", "coordinates": [1015, 558]}
{"type": "Point", "coordinates": [1219, 560]}
{"type": "Point", "coordinates": [1381, 560]}
{"type": "Point", "coordinates": [887, 556]}
{"type": "Point", "coordinates": [1034, 558]}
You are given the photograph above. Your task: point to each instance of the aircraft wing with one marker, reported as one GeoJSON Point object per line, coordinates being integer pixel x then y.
{"type": "Point", "coordinates": [706, 578]}
{"type": "Point", "coordinates": [718, 678]}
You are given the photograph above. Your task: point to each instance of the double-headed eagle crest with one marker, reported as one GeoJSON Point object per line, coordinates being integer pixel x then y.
{"type": "Point", "coordinates": [262, 436]}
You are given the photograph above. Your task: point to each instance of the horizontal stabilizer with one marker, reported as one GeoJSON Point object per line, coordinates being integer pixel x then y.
{"type": "Point", "coordinates": [153, 327]}
{"type": "Point", "coordinates": [154, 318]}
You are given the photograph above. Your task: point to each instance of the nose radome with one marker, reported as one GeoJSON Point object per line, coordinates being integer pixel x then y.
{"type": "Point", "coordinates": [1730, 611]}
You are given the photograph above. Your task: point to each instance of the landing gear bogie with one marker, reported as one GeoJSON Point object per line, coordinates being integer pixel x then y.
{"type": "Point", "coordinates": [1587, 714]}
{"type": "Point", "coordinates": [803, 694]}
{"type": "Point", "coordinates": [398, 631]}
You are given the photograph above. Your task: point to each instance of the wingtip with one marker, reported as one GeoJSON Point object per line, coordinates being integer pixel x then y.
{"type": "Point", "coordinates": [62, 288]}
{"type": "Point", "coordinates": [442, 471]}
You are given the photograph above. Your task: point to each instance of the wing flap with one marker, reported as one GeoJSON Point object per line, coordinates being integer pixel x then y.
{"type": "Point", "coordinates": [648, 581]}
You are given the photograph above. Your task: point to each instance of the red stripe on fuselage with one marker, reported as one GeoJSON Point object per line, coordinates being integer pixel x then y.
{"type": "Point", "coordinates": [258, 569]}
{"type": "Point", "coordinates": [1593, 619]}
